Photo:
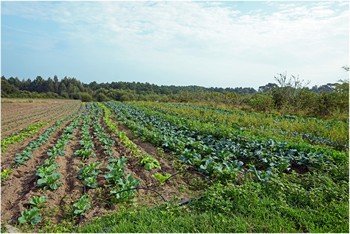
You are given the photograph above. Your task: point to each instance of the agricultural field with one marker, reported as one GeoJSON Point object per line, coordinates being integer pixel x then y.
{"type": "Point", "coordinates": [68, 166]}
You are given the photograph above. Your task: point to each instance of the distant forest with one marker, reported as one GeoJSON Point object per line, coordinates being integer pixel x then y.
{"type": "Point", "coordinates": [287, 95]}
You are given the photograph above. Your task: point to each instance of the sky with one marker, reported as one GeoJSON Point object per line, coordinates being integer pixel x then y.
{"type": "Point", "coordinates": [211, 44]}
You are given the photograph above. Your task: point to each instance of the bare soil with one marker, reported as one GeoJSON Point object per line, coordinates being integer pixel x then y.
{"type": "Point", "coordinates": [54, 111]}
{"type": "Point", "coordinates": [21, 185]}
{"type": "Point", "coordinates": [176, 188]}
{"type": "Point", "coordinates": [8, 157]}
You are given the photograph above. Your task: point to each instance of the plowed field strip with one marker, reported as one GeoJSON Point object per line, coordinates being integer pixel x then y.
{"type": "Point", "coordinates": [8, 157]}
{"type": "Point", "coordinates": [16, 190]}
{"type": "Point", "coordinates": [19, 114]}
{"type": "Point", "coordinates": [48, 115]}
{"type": "Point", "coordinates": [170, 189]}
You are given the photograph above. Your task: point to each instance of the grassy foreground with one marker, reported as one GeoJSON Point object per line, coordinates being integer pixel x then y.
{"type": "Point", "coordinates": [277, 206]}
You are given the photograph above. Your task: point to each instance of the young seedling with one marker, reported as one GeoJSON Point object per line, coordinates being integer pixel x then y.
{"type": "Point", "coordinates": [37, 201]}
{"type": "Point", "coordinates": [162, 178]}
{"type": "Point", "coordinates": [81, 205]}
{"type": "Point", "coordinates": [150, 163]}
{"type": "Point", "coordinates": [88, 174]}
{"type": "Point", "coordinates": [31, 216]}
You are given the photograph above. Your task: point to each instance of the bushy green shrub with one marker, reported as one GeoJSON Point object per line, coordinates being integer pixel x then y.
{"type": "Point", "coordinates": [85, 97]}
{"type": "Point", "coordinates": [261, 102]}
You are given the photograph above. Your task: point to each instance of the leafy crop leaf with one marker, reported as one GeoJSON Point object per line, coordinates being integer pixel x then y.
{"type": "Point", "coordinates": [82, 205]}
{"type": "Point", "coordinates": [37, 201]}
{"type": "Point", "coordinates": [162, 178]}
{"type": "Point", "coordinates": [31, 216]}
{"type": "Point", "coordinates": [150, 163]}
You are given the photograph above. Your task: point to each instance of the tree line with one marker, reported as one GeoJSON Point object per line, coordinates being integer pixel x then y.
{"type": "Point", "coordinates": [287, 95]}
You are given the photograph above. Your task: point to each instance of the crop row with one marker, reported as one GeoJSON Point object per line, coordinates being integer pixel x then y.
{"type": "Point", "coordinates": [48, 176]}
{"type": "Point", "coordinates": [146, 160]}
{"type": "Point", "coordinates": [29, 114]}
{"type": "Point", "coordinates": [218, 155]}
{"type": "Point", "coordinates": [119, 184]}
{"type": "Point", "coordinates": [52, 113]}
{"type": "Point", "coordinates": [222, 132]}
{"type": "Point", "coordinates": [88, 172]}
{"type": "Point", "coordinates": [26, 154]}
{"type": "Point", "coordinates": [223, 123]}
{"type": "Point", "coordinates": [17, 137]}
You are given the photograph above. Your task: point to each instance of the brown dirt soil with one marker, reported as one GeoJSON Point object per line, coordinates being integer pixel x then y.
{"type": "Point", "coordinates": [21, 184]}
{"type": "Point", "coordinates": [69, 190]}
{"type": "Point", "coordinates": [17, 109]}
{"type": "Point", "coordinates": [22, 112]}
{"type": "Point", "coordinates": [10, 110]}
{"type": "Point", "coordinates": [176, 188]}
{"type": "Point", "coordinates": [48, 115]}
{"type": "Point", "coordinates": [8, 157]}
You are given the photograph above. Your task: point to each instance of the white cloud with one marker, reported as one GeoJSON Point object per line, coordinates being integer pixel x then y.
{"type": "Point", "coordinates": [293, 36]}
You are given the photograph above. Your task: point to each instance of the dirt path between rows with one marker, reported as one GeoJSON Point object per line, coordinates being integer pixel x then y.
{"type": "Point", "coordinates": [17, 188]}
{"type": "Point", "coordinates": [7, 158]}
{"type": "Point", "coordinates": [177, 188]}
{"type": "Point", "coordinates": [48, 115]}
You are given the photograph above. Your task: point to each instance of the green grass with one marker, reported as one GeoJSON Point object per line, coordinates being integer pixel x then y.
{"type": "Point", "coordinates": [175, 219]}
{"type": "Point", "coordinates": [263, 218]}
{"type": "Point", "coordinates": [313, 201]}
{"type": "Point", "coordinates": [289, 203]}
{"type": "Point", "coordinates": [254, 123]}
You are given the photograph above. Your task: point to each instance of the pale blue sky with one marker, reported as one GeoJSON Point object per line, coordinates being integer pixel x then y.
{"type": "Point", "coordinates": [213, 44]}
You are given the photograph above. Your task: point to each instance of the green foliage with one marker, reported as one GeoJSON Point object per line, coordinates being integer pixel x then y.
{"type": "Point", "coordinates": [150, 163]}
{"type": "Point", "coordinates": [125, 189]}
{"type": "Point", "coordinates": [101, 97]}
{"type": "Point", "coordinates": [29, 131]}
{"type": "Point", "coordinates": [263, 216]}
{"type": "Point", "coordinates": [224, 156]}
{"type": "Point", "coordinates": [290, 97]}
{"type": "Point", "coordinates": [26, 154]}
{"type": "Point", "coordinates": [82, 205]}
{"type": "Point", "coordinates": [50, 181]}
{"type": "Point", "coordinates": [225, 122]}
{"type": "Point", "coordinates": [121, 186]}
{"type": "Point", "coordinates": [5, 173]}
{"type": "Point", "coordinates": [88, 174]}
{"type": "Point", "coordinates": [48, 176]}
{"type": "Point", "coordinates": [121, 135]}
{"type": "Point", "coordinates": [265, 184]}
{"type": "Point", "coordinates": [87, 146]}
{"type": "Point", "coordinates": [313, 201]}
{"type": "Point", "coordinates": [85, 97]}
{"type": "Point", "coordinates": [115, 169]}
{"type": "Point", "coordinates": [31, 216]}
{"type": "Point", "coordinates": [162, 178]}
{"type": "Point", "coordinates": [261, 102]}
{"type": "Point", "coordinates": [37, 201]}
{"type": "Point", "coordinates": [100, 132]}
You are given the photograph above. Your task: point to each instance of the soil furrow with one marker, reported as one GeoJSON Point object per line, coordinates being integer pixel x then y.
{"type": "Point", "coordinates": [17, 126]}
{"type": "Point", "coordinates": [17, 188]}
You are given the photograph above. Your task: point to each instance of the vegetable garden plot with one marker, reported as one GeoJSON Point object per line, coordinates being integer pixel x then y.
{"type": "Point", "coordinates": [91, 164]}
{"type": "Point", "coordinates": [83, 172]}
{"type": "Point", "coordinates": [222, 122]}
{"type": "Point", "coordinates": [218, 155]}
